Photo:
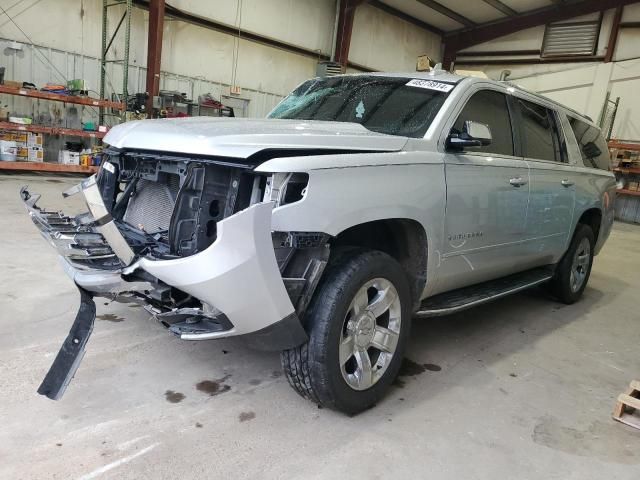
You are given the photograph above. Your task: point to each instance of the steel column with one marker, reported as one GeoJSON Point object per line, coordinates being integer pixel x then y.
{"type": "Point", "coordinates": [345, 28]}
{"type": "Point", "coordinates": [613, 37]}
{"type": "Point", "coordinates": [154, 50]}
{"type": "Point", "coordinates": [103, 59]}
{"type": "Point", "coordinates": [125, 63]}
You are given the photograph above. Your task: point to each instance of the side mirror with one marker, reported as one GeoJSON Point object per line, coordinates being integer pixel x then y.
{"type": "Point", "coordinates": [474, 134]}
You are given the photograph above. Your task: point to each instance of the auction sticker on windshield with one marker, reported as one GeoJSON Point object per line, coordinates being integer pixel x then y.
{"type": "Point", "coordinates": [430, 85]}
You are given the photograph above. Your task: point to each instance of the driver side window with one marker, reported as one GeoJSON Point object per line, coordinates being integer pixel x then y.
{"type": "Point", "coordinates": [488, 107]}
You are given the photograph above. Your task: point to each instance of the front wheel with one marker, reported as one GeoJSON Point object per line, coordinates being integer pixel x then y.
{"type": "Point", "coordinates": [573, 271]}
{"type": "Point", "coordinates": [358, 323]}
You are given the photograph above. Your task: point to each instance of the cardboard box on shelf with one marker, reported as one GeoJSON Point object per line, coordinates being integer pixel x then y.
{"type": "Point", "coordinates": [36, 154]}
{"type": "Point", "coordinates": [67, 157]}
{"type": "Point", "coordinates": [22, 152]}
{"type": "Point", "coordinates": [20, 138]}
{"type": "Point", "coordinates": [8, 151]}
{"type": "Point", "coordinates": [632, 186]}
{"type": "Point", "coordinates": [34, 139]}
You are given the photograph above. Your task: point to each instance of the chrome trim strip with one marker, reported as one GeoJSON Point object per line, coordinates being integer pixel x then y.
{"type": "Point", "coordinates": [108, 230]}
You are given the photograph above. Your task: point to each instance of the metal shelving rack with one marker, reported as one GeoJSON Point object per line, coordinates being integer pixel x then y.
{"type": "Point", "coordinates": [107, 41]}
{"type": "Point", "coordinates": [53, 130]}
{"type": "Point", "coordinates": [628, 201]}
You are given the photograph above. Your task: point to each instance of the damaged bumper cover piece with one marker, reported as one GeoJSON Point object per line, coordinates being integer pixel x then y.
{"type": "Point", "coordinates": [236, 279]}
{"type": "Point", "coordinates": [70, 355]}
{"type": "Point", "coordinates": [237, 274]}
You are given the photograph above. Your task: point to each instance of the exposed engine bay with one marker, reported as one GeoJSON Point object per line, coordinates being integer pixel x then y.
{"type": "Point", "coordinates": [168, 207]}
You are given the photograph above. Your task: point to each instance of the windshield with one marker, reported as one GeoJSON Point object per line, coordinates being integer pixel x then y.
{"type": "Point", "coordinates": [395, 106]}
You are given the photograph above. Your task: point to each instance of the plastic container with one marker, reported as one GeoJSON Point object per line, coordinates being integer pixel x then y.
{"type": "Point", "coordinates": [8, 151]}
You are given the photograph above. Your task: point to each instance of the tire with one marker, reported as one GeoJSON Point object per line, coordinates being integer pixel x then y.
{"type": "Point", "coordinates": [573, 271]}
{"type": "Point", "coordinates": [340, 322]}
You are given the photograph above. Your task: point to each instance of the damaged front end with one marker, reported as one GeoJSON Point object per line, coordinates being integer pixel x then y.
{"type": "Point", "coordinates": [191, 239]}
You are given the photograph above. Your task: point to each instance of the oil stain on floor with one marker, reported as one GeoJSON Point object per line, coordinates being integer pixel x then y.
{"type": "Point", "coordinates": [214, 387]}
{"type": "Point", "coordinates": [173, 397]}
{"type": "Point", "coordinates": [246, 416]}
{"type": "Point", "coordinates": [409, 368]}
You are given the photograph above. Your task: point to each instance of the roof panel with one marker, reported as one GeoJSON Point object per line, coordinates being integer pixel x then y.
{"type": "Point", "coordinates": [426, 14]}
{"type": "Point", "coordinates": [527, 5]}
{"type": "Point", "coordinates": [476, 11]}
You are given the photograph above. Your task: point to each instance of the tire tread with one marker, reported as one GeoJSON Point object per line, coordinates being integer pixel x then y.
{"type": "Point", "coordinates": [304, 365]}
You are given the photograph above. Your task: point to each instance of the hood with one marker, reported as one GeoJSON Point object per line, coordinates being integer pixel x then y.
{"type": "Point", "coordinates": [242, 137]}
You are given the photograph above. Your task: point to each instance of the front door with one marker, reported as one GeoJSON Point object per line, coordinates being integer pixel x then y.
{"type": "Point", "coordinates": [487, 198]}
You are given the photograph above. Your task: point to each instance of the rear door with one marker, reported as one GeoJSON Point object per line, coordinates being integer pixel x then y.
{"type": "Point", "coordinates": [552, 182]}
{"type": "Point", "coordinates": [487, 196]}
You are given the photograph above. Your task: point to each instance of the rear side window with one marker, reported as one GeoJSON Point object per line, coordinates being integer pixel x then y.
{"type": "Point", "coordinates": [593, 146]}
{"type": "Point", "coordinates": [540, 135]}
{"type": "Point", "coordinates": [489, 107]}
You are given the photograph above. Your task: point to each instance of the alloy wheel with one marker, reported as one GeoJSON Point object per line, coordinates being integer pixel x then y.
{"type": "Point", "coordinates": [370, 333]}
{"type": "Point", "coordinates": [580, 265]}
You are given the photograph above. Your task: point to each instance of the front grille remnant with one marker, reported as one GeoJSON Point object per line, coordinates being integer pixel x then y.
{"type": "Point", "coordinates": [151, 206]}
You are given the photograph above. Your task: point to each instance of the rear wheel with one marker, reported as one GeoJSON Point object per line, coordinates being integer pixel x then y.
{"type": "Point", "coordinates": [573, 271]}
{"type": "Point", "coordinates": [358, 323]}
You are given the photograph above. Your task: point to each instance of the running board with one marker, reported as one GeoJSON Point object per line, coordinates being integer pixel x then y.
{"type": "Point", "coordinates": [467, 297]}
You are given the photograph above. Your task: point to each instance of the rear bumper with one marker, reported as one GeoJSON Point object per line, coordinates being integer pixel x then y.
{"type": "Point", "coordinates": [236, 278]}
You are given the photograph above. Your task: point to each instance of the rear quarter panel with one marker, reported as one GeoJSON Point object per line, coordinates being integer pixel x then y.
{"type": "Point", "coordinates": [595, 189]}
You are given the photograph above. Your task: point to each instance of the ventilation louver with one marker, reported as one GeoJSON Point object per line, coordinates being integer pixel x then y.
{"type": "Point", "coordinates": [564, 39]}
{"type": "Point", "coordinates": [328, 69]}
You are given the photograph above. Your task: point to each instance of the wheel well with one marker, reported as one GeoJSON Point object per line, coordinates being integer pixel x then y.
{"type": "Point", "coordinates": [403, 239]}
{"type": "Point", "coordinates": [593, 219]}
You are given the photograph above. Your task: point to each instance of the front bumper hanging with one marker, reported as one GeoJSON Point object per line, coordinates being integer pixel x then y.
{"type": "Point", "coordinates": [236, 279]}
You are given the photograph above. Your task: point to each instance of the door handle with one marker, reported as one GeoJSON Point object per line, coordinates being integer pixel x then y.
{"type": "Point", "coordinates": [566, 183]}
{"type": "Point", "coordinates": [517, 182]}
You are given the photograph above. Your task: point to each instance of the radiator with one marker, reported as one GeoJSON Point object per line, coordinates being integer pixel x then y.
{"type": "Point", "coordinates": [151, 206]}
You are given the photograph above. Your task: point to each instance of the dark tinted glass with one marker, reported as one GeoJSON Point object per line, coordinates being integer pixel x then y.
{"type": "Point", "coordinates": [381, 104]}
{"type": "Point", "coordinates": [489, 107]}
{"type": "Point", "coordinates": [539, 131]}
{"type": "Point", "coordinates": [593, 146]}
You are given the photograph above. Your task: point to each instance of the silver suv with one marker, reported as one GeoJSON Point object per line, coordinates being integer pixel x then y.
{"type": "Point", "coordinates": [322, 230]}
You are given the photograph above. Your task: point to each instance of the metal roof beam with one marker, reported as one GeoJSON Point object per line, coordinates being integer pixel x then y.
{"type": "Point", "coordinates": [492, 30]}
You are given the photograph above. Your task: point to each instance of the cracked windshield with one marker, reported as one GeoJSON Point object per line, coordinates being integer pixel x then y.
{"type": "Point", "coordinates": [395, 106]}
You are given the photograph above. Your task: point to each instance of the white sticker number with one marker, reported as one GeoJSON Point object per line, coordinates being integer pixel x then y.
{"type": "Point", "coordinates": [430, 85]}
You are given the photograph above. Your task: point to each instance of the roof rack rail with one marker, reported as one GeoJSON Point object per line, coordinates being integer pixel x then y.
{"type": "Point", "coordinates": [542, 97]}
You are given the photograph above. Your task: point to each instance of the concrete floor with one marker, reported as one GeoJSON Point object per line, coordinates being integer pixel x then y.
{"type": "Point", "coordinates": [521, 388]}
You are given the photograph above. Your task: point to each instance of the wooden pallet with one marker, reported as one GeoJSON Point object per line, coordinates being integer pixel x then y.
{"type": "Point", "coordinates": [628, 407]}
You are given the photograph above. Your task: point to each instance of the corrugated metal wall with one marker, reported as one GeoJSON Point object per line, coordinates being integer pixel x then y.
{"type": "Point", "coordinates": [628, 208]}
{"type": "Point", "coordinates": [40, 65]}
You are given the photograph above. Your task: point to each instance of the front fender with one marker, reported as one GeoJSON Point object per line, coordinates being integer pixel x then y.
{"type": "Point", "coordinates": [338, 199]}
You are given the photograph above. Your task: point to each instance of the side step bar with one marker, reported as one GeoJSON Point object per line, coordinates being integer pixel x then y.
{"type": "Point", "coordinates": [467, 297]}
